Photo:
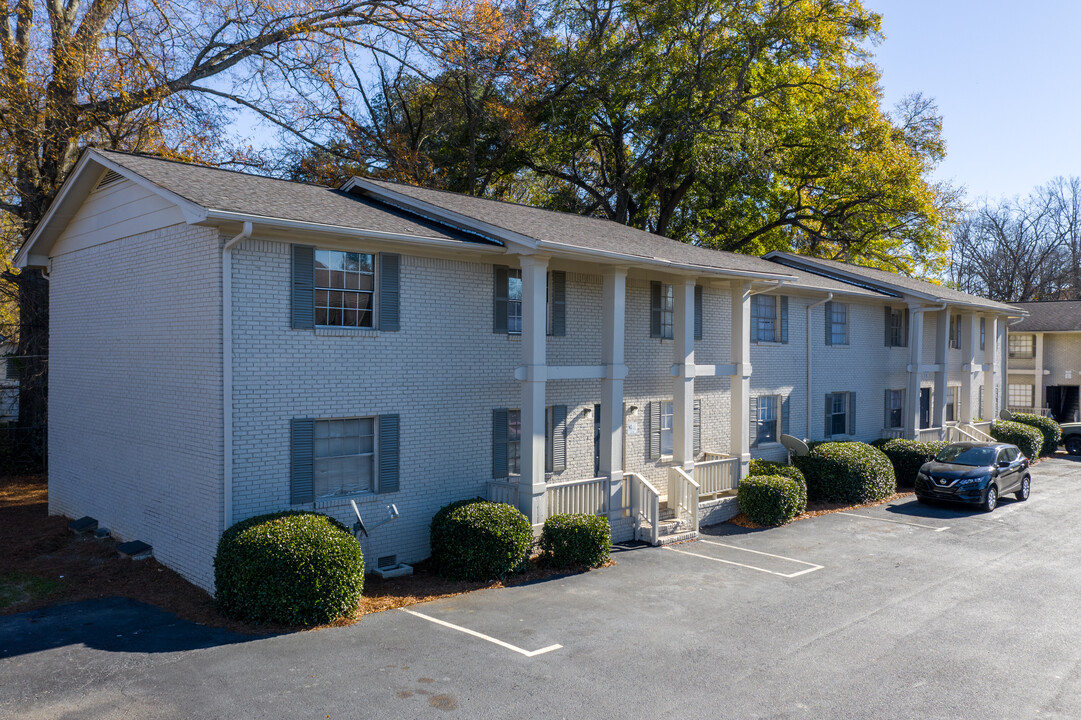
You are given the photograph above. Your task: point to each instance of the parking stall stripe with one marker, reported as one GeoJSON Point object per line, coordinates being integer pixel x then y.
{"type": "Point", "coordinates": [898, 522]}
{"type": "Point", "coordinates": [810, 569]}
{"type": "Point", "coordinates": [482, 636]}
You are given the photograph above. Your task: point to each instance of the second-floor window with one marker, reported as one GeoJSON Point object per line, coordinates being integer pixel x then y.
{"type": "Point", "coordinates": [983, 333]}
{"type": "Point", "coordinates": [514, 301]}
{"type": "Point", "coordinates": [955, 332]}
{"type": "Point", "coordinates": [836, 323]}
{"type": "Point", "coordinates": [896, 327]}
{"type": "Point", "coordinates": [344, 288]}
{"type": "Point", "coordinates": [662, 310]}
{"type": "Point", "coordinates": [507, 301]}
{"type": "Point", "coordinates": [1022, 346]}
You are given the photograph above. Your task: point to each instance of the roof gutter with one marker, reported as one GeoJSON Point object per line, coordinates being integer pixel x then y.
{"type": "Point", "coordinates": [227, 370]}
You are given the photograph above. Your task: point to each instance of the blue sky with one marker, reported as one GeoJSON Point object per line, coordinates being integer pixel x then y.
{"type": "Point", "coordinates": [1007, 80]}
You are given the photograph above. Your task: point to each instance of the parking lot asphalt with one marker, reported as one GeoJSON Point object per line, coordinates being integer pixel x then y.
{"type": "Point", "coordinates": [897, 611]}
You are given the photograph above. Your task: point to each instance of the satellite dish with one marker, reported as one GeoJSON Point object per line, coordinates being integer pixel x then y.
{"type": "Point", "coordinates": [358, 526]}
{"type": "Point", "coordinates": [1005, 414]}
{"type": "Point", "coordinates": [794, 445]}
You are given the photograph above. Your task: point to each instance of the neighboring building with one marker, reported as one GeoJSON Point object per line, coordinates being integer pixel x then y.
{"type": "Point", "coordinates": [224, 345]}
{"type": "Point", "coordinates": [1045, 360]}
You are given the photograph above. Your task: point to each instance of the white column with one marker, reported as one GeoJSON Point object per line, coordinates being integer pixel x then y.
{"type": "Point", "coordinates": [531, 491]}
{"type": "Point", "coordinates": [1003, 377]}
{"type": "Point", "coordinates": [740, 393]}
{"type": "Point", "coordinates": [613, 312]}
{"type": "Point", "coordinates": [683, 389]}
{"type": "Point", "coordinates": [942, 360]}
{"type": "Point", "coordinates": [915, 359]}
{"type": "Point", "coordinates": [970, 327]}
{"type": "Point", "coordinates": [1037, 372]}
{"type": "Point", "coordinates": [990, 412]}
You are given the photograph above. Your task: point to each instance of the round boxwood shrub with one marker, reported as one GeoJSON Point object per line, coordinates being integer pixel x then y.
{"type": "Point", "coordinates": [291, 568]}
{"type": "Point", "coordinates": [771, 499]}
{"type": "Point", "coordinates": [1051, 431]}
{"type": "Point", "coordinates": [1027, 438]}
{"type": "Point", "coordinates": [766, 467]}
{"type": "Point", "coordinates": [847, 472]}
{"type": "Point", "coordinates": [907, 456]}
{"type": "Point", "coordinates": [575, 539]}
{"type": "Point", "coordinates": [480, 540]}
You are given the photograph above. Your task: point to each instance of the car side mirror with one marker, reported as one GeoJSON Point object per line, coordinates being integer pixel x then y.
{"type": "Point", "coordinates": [1003, 463]}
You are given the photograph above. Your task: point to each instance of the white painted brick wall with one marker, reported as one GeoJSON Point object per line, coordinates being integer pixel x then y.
{"type": "Point", "coordinates": [135, 423]}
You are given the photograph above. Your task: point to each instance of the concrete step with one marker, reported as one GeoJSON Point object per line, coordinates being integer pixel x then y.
{"type": "Point", "coordinates": [669, 532]}
{"type": "Point", "coordinates": [679, 537]}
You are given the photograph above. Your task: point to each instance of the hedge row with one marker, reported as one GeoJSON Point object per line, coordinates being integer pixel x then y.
{"type": "Point", "coordinates": [1027, 438]}
{"type": "Point", "coordinates": [767, 467]}
{"type": "Point", "coordinates": [480, 540]}
{"type": "Point", "coordinates": [575, 540]}
{"type": "Point", "coordinates": [848, 472]}
{"type": "Point", "coordinates": [907, 456]}
{"type": "Point", "coordinates": [771, 499]}
{"type": "Point", "coordinates": [1049, 429]}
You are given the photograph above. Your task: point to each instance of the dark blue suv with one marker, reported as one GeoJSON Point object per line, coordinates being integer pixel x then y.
{"type": "Point", "coordinates": [976, 473]}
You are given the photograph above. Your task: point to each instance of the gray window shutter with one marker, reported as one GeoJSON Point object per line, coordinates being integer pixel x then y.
{"type": "Point", "coordinates": [785, 415]}
{"type": "Point", "coordinates": [653, 448]}
{"type": "Point", "coordinates": [886, 420]}
{"type": "Point", "coordinates": [829, 415]}
{"type": "Point", "coordinates": [655, 309]}
{"type": "Point", "coordinates": [389, 291]}
{"type": "Point", "coordinates": [302, 447]}
{"type": "Point", "coordinates": [389, 428]}
{"type": "Point", "coordinates": [303, 286]}
{"type": "Point", "coordinates": [559, 303]}
{"type": "Point", "coordinates": [851, 413]}
{"type": "Point", "coordinates": [499, 443]}
{"type": "Point", "coordinates": [500, 293]}
{"type": "Point", "coordinates": [697, 312]}
{"type": "Point", "coordinates": [753, 421]}
{"type": "Point", "coordinates": [784, 319]}
{"type": "Point", "coordinates": [559, 438]}
{"type": "Point", "coordinates": [829, 323]}
{"type": "Point", "coordinates": [696, 437]}
{"type": "Point", "coordinates": [889, 322]}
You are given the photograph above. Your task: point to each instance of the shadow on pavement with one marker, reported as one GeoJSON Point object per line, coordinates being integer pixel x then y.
{"type": "Point", "coordinates": [109, 624]}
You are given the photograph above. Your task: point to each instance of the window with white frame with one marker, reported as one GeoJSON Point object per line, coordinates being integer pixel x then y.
{"type": "Point", "coordinates": [768, 418]}
{"type": "Point", "coordinates": [839, 324]}
{"type": "Point", "coordinates": [514, 301]}
{"type": "Point", "coordinates": [662, 310]}
{"type": "Point", "coordinates": [344, 289]}
{"type": "Point", "coordinates": [1022, 346]}
{"type": "Point", "coordinates": [895, 409]}
{"type": "Point", "coordinates": [952, 402]}
{"type": "Point", "coordinates": [898, 333]}
{"type": "Point", "coordinates": [764, 318]}
{"type": "Point", "coordinates": [839, 409]}
{"type": "Point", "coordinates": [955, 332]}
{"type": "Point", "coordinates": [1020, 395]}
{"type": "Point", "coordinates": [514, 442]}
{"type": "Point", "coordinates": [343, 458]}
{"type": "Point", "coordinates": [667, 442]}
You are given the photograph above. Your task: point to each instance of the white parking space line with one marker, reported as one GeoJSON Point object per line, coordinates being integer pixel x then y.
{"type": "Point", "coordinates": [898, 522]}
{"type": "Point", "coordinates": [482, 636]}
{"type": "Point", "coordinates": [810, 569]}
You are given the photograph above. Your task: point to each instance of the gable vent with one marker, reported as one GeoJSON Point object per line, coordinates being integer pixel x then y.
{"type": "Point", "coordinates": [108, 179]}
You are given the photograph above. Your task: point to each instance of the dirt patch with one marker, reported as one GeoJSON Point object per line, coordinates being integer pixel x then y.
{"type": "Point", "coordinates": [816, 509]}
{"type": "Point", "coordinates": [43, 564]}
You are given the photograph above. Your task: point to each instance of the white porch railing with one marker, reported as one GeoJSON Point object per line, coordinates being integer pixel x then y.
{"type": "Point", "coordinates": [683, 494]}
{"type": "Point", "coordinates": [893, 434]}
{"type": "Point", "coordinates": [983, 427]}
{"type": "Point", "coordinates": [1030, 410]}
{"type": "Point", "coordinates": [929, 434]}
{"type": "Point", "coordinates": [645, 504]}
{"type": "Point", "coordinates": [973, 432]}
{"type": "Point", "coordinates": [503, 491]}
{"type": "Point", "coordinates": [960, 433]}
{"type": "Point", "coordinates": [589, 497]}
{"type": "Point", "coordinates": [716, 476]}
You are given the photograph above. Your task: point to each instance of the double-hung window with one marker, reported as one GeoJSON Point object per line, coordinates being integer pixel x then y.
{"type": "Point", "coordinates": [955, 332]}
{"type": "Point", "coordinates": [952, 394]}
{"type": "Point", "coordinates": [767, 418]}
{"type": "Point", "coordinates": [836, 322]}
{"type": "Point", "coordinates": [895, 409]}
{"type": "Point", "coordinates": [764, 318]}
{"type": "Point", "coordinates": [1022, 346]}
{"type": "Point", "coordinates": [514, 442]}
{"type": "Point", "coordinates": [514, 301]}
{"type": "Point", "coordinates": [343, 458]}
{"type": "Point", "coordinates": [840, 414]}
{"type": "Point", "coordinates": [666, 427]}
{"type": "Point", "coordinates": [1020, 395]}
{"type": "Point", "coordinates": [662, 310]}
{"type": "Point", "coordinates": [344, 289]}
{"type": "Point", "coordinates": [507, 301]}
{"type": "Point", "coordinates": [896, 327]}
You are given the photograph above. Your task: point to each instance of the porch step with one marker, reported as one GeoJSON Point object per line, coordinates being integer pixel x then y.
{"type": "Point", "coordinates": [678, 537]}
{"type": "Point", "coordinates": [670, 531]}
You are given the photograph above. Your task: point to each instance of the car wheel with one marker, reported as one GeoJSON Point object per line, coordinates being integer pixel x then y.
{"type": "Point", "coordinates": [1026, 488]}
{"type": "Point", "coordinates": [1073, 445]}
{"type": "Point", "coordinates": [991, 501]}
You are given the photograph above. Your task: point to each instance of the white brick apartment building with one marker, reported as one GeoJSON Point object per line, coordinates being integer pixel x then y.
{"type": "Point", "coordinates": [224, 345]}
{"type": "Point", "coordinates": [1045, 360]}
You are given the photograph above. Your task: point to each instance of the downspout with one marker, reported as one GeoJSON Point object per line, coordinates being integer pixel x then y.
{"type": "Point", "coordinates": [811, 307]}
{"type": "Point", "coordinates": [227, 367]}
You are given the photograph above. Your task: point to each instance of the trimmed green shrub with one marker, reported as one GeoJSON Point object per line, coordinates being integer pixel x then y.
{"type": "Point", "coordinates": [766, 467]}
{"type": "Point", "coordinates": [575, 539]}
{"type": "Point", "coordinates": [1051, 431]}
{"type": "Point", "coordinates": [480, 540]}
{"type": "Point", "coordinates": [771, 499]}
{"type": "Point", "coordinates": [848, 472]}
{"type": "Point", "coordinates": [907, 456]}
{"type": "Point", "coordinates": [292, 568]}
{"type": "Point", "coordinates": [1027, 438]}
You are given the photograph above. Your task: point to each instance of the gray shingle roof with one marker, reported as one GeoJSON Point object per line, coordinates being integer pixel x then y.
{"type": "Point", "coordinates": [1050, 316]}
{"type": "Point", "coordinates": [218, 189]}
{"type": "Point", "coordinates": [883, 278]}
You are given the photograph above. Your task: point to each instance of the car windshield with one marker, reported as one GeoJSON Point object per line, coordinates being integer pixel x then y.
{"type": "Point", "coordinates": [961, 455]}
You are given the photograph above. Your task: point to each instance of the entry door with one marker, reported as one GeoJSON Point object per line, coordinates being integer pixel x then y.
{"type": "Point", "coordinates": [1055, 398]}
{"type": "Point", "coordinates": [597, 440]}
{"type": "Point", "coordinates": [925, 408]}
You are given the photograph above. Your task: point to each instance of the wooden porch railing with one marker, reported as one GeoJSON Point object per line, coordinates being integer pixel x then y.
{"type": "Point", "coordinates": [929, 434]}
{"type": "Point", "coordinates": [893, 434]}
{"type": "Point", "coordinates": [589, 497]}
{"type": "Point", "coordinates": [716, 476]}
{"type": "Point", "coordinates": [503, 491]}
{"type": "Point", "coordinates": [645, 504]}
{"type": "Point", "coordinates": [683, 494]}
